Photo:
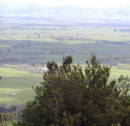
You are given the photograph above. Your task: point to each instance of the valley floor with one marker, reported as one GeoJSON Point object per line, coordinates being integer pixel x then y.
{"type": "Point", "coordinates": [16, 84]}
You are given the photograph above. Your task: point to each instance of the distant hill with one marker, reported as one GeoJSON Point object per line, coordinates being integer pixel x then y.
{"type": "Point", "coordinates": [67, 13]}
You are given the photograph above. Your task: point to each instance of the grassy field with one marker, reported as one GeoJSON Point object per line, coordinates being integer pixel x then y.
{"type": "Point", "coordinates": [116, 72]}
{"type": "Point", "coordinates": [19, 82]}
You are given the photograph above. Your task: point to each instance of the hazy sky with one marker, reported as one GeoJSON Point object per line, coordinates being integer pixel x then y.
{"type": "Point", "coordinates": [81, 3]}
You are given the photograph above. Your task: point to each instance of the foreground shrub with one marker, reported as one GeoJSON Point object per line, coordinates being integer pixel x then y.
{"type": "Point", "coordinates": [72, 95]}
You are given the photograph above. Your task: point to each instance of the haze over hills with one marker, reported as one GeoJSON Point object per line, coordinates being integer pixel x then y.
{"type": "Point", "coordinates": [33, 33]}
{"type": "Point", "coordinates": [73, 14]}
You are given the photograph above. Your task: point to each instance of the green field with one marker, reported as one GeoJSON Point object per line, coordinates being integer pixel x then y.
{"type": "Point", "coordinates": [19, 82]}
{"type": "Point", "coordinates": [116, 72]}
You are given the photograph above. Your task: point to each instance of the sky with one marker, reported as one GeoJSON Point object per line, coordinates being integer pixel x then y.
{"type": "Point", "coordinates": [80, 3]}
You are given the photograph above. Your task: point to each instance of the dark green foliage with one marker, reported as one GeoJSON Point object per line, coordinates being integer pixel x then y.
{"type": "Point", "coordinates": [72, 96]}
{"type": "Point", "coordinates": [36, 52]}
{"type": "Point", "coordinates": [52, 66]}
{"type": "Point", "coordinates": [67, 60]}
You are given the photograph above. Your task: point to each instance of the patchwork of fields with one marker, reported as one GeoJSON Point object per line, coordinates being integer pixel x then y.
{"type": "Point", "coordinates": [36, 44]}
{"type": "Point", "coordinates": [64, 33]}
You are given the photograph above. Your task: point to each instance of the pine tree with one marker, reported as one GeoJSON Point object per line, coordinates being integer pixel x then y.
{"type": "Point", "coordinates": [71, 95]}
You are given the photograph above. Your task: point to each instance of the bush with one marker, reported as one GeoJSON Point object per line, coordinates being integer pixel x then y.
{"type": "Point", "coordinates": [71, 95]}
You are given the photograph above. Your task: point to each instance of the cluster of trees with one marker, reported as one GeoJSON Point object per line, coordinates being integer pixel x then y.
{"type": "Point", "coordinates": [69, 38]}
{"type": "Point", "coordinates": [71, 95]}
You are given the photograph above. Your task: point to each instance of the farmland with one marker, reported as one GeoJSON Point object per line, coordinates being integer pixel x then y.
{"type": "Point", "coordinates": [35, 44]}
{"type": "Point", "coordinates": [21, 83]}
{"type": "Point", "coordinates": [18, 82]}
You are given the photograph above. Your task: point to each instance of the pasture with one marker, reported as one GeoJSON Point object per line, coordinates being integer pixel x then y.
{"type": "Point", "coordinates": [116, 72]}
{"type": "Point", "coordinates": [19, 83]}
